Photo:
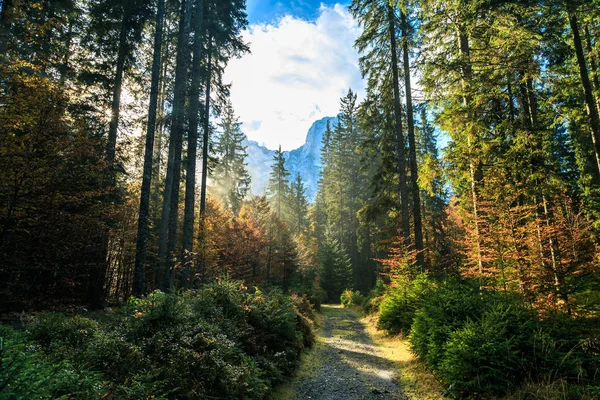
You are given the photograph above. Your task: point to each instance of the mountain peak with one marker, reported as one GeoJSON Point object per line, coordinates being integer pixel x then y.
{"type": "Point", "coordinates": [314, 137]}
{"type": "Point", "coordinates": [305, 160]}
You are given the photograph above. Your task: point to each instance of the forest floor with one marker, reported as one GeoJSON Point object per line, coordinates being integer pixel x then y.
{"type": "Point", "coordinates": [352, 361]}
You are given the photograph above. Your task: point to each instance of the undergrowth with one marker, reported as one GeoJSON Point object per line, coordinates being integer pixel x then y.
{"type": "Point", "coordinates": [485, 344]}
{"type": "Point", "coordinates": [219, 341]}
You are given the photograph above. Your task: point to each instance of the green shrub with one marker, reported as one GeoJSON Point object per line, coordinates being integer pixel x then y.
{"type": "Point", "coordinates": [482, 343]}
{"type": "Point", "coordinates": [567, 347]}
{"type": "Point", "coordinates": [56, 329]}
{"type": "Point", "coordinates": [486, 355]}
{"type": "Point", "coordinates": [442, 312]}
{"type": "Point", "coordinates": [221, 341]}
{"type": "Point", "coordinates": [318, 296]}
{"type": "Point", "coordinates": [26, 372]}
{"type": "Point", "coordinates": [351, 298]}
{"type": "Point", "coordinates": [375, 297]}
{"type": "Point", "coordinates": [399, 305]}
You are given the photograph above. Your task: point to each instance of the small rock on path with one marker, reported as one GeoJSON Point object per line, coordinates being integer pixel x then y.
{"type": "Point", "coordinates": [349, 365]}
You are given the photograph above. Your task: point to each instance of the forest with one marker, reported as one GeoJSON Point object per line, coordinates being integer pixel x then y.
{"type": "Point", "coordinates": [458, 201]}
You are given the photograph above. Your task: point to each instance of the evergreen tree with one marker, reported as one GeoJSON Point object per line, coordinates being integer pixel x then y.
{"type": "Point", "coordinates": [225, 22]}
{"type": "Point", "coordinates": [169, 219]}
{"type": "Point", "coordinates": [343, 190]}
{"type": "Point", "coordinates": [298, 206]}
{"type": "Point", "coordinates": [433, 196]}
{"type": "Point", "coordinates": [278, 188]}
{"type": "Point", "coordinates": [335, 268]}
{"type": "Point", "coordinates": [142, 238]}
{"type": "Point", "coordinates": [193, 108]}
{"type": "Point", "coordinates": [230, 174]}
{"type": "Point", "coordinates": [414, 178]}
{"type": "Point", "coordinates": [378, 46]}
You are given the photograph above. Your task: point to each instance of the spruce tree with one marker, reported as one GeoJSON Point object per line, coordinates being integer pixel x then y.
{"type": "Point", "coordinates": [230, 174]}
{"type": "Point", "coordinates": [169, 219]}
{"type": "Point", "coordinates": [298, 206]}
{"type": "Point", "coordinates": [335, 268]}
{"type": "Point", "coordinates": [379, 62]}
{"type": "Point", "coordinates": [142, 239]}
{"type": "Point", "coordinates": [193, 109]}
{"type": "Point", "coordinates": [278, 187]}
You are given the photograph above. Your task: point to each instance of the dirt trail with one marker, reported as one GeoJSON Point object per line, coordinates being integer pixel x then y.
{"type": "Point", "coordinates": [346, 364]}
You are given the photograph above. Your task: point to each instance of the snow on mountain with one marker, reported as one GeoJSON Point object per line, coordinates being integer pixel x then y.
{"type": "Point", "coordinates": [305, 160]}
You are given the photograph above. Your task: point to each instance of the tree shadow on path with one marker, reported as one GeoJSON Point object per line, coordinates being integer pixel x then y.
{"type": "Point", "coordinates": [347, 364]}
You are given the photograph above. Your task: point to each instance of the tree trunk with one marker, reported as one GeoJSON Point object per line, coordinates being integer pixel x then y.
{"type": "Point", "coordinates": [95, 292]}
{"type": "Point", "coordinates": [205, 137]}
{"type": "Point", "coordinates": [139, 272]}
{"type": "Point", "coordinates": [190, 173]}
{"type": "Point", "coordinates": [592, 108]}
{"type": "Point", "coordinates": [474, 165]}
{"type": "Point", "coordinates": [205, 140]}
{"type": "Point", "coordinates": [116, 101]}
{"type": "Point", "coordinates": [5, 21]}
{"type": "Point", "coordinates": [400, 148]}
{"type": "Point", "coordinates": [593, 59]}
{"type": "Point", "coordinates": [168, 228]}
{"type": "Point", "coordinates": [416, 204]}
{"type": "Point", "coordinates": [557, 268]}
{"type": "Point", "coordinates": [64, 66]}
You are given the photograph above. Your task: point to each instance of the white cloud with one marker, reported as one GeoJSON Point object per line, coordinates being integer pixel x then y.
{"type": "Point", "coordinates": [296, 74]}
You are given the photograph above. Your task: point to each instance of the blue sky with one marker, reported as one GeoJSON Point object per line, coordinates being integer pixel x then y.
{"type": "Point", "coordinates": [302, 61]}
{"type": "Point", "coordinates": [266, 11]}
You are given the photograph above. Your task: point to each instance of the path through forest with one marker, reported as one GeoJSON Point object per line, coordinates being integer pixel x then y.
{"type": "Point", "coordinates": [345, 364]}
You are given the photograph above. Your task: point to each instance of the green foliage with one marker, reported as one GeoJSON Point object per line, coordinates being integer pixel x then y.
{"type": "Point", "coordinates": [375, 297]}
{"type": "Point", "coordinates": [318, 296]}
{"type": "Point", "coordinates": [399, 305]}
{"type": "Point", "coordinates": [335, 267]}
{"type": "Point", "coordinates": [485, 355]}
{"type": "Point", "coordinates": [220, 341]}
{"type": "Point", "coordinates": [231, 173]}
{"type": "Point", "coordinates": [486, 343]}
{"type": "Point", "coordinates": [278, 188]}
{"type": "Point", "coordinates": [351, 298]}
{"type": "Point", "coordinates": [445, 310]}
{"type": "Point", "coordinates": [27, 373]}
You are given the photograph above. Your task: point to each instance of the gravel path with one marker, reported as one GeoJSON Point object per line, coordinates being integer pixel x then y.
{"type": "Point", "coordinates": [347, 364]}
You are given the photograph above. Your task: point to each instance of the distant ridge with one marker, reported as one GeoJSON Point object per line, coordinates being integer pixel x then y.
{"type": "Point", "coordinates": [305, 160]}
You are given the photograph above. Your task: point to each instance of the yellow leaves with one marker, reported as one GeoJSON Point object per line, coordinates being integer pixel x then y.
{"type": "Point", "coordinates": [429, 172]}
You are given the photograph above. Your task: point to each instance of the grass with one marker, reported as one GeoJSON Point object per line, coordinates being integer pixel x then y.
{"type": "Point", "coordinates": [310, 362]}
{"type": "Point", "coordinates": [419, 383]}
{"type": "Point", "coordinates": [416, 381]}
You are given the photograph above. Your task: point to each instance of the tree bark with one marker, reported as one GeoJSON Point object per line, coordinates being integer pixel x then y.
{"type": "Point", "coordinates": [205, 137]}
{"type": "Point", "coordinates": [116, 101]}
{"type": "Point", "coordinates": [592, 107]}
{"type": "Point", "coordinates": [593, 59]}
{"type": "Point", "coordinates": [139, 272]}
{"type": "Point", "coordinates": [416, 205]}
{"type": "Point", "coordinates": [5, 21]}
{"type": "Point", "coordinates": [474, 164]}
{"type": "Point", "coordinates": [64, 66]}
{"type": "Point", "coordinates": [190, 174]}
{"type": "Point", "coordinates": [168, 228]}
{"type": "Point", "coordinates": [95, 292]}
{"type": "Point", "coordinates": [400, 147]}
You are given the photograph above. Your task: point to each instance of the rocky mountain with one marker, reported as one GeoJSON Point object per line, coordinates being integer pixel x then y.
{"type": "Point", "coordinates": [305, 160]}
